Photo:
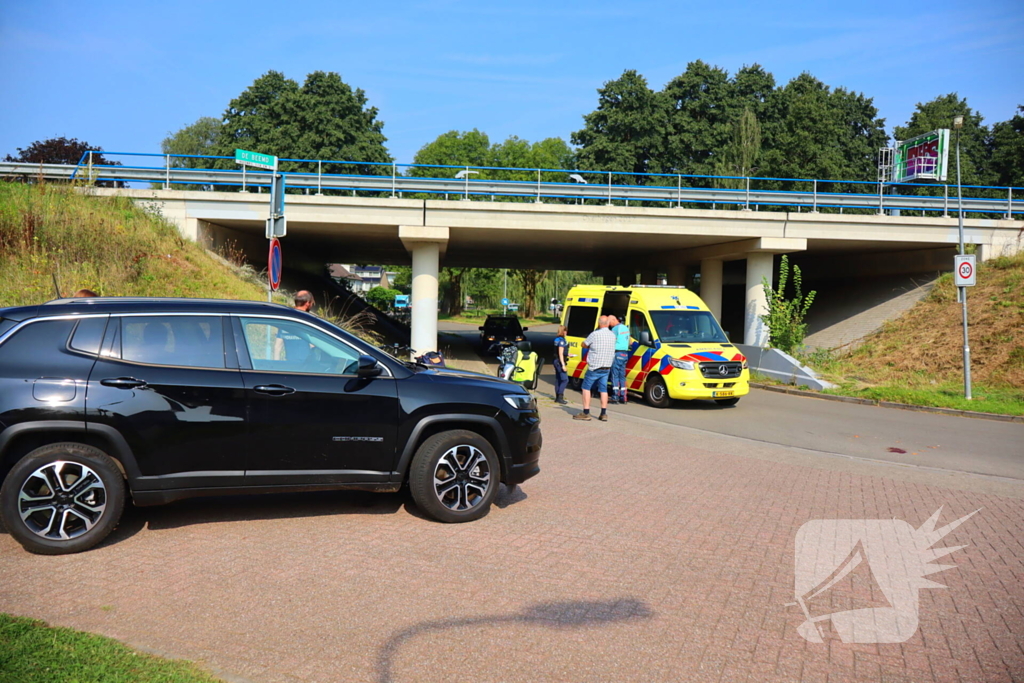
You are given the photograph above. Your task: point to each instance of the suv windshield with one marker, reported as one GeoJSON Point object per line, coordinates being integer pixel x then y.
{"type": "Point", "coordinates": [687, 327]}
{"type": "Point", "coordinates": [503, 324]}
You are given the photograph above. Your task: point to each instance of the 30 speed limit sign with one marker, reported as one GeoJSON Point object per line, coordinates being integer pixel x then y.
{"type": "Point", "coordinates": [964, 272]}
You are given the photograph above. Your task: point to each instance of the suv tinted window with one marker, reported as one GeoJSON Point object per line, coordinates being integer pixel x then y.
{"type": "Point", "coordinates": [189, 341]}
{"type": "Point", "coordinates": [581, 320]}
{"type": "Point", "coordinates": [290, 346]}
{"type": "Point", "coordinates": [88, 335]}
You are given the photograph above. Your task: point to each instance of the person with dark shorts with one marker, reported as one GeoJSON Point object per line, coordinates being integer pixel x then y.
{"type": "Point", "coordinates": [600, 345]}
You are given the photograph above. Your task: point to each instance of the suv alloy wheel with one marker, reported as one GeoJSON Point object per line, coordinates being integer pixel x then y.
{"type": "Point", "coordinates": [62, 498]}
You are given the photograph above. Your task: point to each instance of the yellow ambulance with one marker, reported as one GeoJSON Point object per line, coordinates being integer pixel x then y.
{"type": "Point", "coordinates": [677, 348]}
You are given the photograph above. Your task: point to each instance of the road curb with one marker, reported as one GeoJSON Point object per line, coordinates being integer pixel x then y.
{"type": "Point", "coordinates": [890, 404]}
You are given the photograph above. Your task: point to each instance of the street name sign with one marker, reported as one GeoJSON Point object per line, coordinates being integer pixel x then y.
{"type": "Point", "coordinates": [255, 159]}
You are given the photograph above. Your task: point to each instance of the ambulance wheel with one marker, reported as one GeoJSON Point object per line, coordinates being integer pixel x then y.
{"type": "Point", "coordinates": [727, 401]}
{"type": "Point", "coordinates": [575, 383]}
{"type": "Point", "coordinates": [656, 393]}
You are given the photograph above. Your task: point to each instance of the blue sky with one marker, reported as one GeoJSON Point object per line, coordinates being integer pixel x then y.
{"type": "Point", "coordinates": [123, 75]}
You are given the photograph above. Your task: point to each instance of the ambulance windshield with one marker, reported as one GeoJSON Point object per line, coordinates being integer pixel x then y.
{"type": "Point", "coordinates": [687, 327]}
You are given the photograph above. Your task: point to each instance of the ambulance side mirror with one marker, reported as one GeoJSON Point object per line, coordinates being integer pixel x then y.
{"type": "Point", "coordinates": [645, 339]}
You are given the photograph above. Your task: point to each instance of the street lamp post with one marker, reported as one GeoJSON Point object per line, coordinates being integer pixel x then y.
{"type": "Point", "coordinates": [958, 123]}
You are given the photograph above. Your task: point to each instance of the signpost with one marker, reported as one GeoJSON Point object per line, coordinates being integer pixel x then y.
{"type": "Point", "coordinates": [964, 273]}
{"type": "Point", "coordinates": [504, 305]}
{"type": "Point", "coordinates": [275, 263]}
{"type": "Point", "coordinates": [277, 224]}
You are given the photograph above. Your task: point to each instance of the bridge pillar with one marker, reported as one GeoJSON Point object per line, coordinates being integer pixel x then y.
{"type": "Point", "coordinates": [648, 276]}
{"type": "Point", "coordinates": [677, 274]}
{"type": "Point", "coordinates": [610, 278]}
{"type": "Point", "coordinates": [711, 285]}
{"type": "Point", "coordinates": [759, 265]}
{"type": "Point", "coordinates": [425, 244]}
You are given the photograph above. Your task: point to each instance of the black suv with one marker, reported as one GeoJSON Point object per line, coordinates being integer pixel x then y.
{"type": "Point", "coordinates": [172, 398]}
{"type": "Point", "coordinates": [498, 328]}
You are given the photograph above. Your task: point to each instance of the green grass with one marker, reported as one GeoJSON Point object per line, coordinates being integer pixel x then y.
{"type": "Point", "coordinates": [32, 652]}
{"type": "Point", "coordinates": [985, 399]}
{"type": "Point", "coordinates": [107, 244]}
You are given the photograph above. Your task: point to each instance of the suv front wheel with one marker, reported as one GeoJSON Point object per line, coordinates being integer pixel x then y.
{"type": "Point", "coordinates": [454, 476]}
{"type": "Point", "coordinates": [62, 498]}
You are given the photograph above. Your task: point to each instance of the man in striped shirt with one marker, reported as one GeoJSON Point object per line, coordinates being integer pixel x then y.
{"type": "Point", "coordinates": [600, 355]}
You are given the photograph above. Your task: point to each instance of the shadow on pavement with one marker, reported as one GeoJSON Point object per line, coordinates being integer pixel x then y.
{"type": "Point", "coordinates": [558, 615]}
{"type": "Point", "coordinates": [251, 507]}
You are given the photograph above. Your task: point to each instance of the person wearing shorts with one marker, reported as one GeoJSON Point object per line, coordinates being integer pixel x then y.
{"type": "Point", "coordinates": [600, 345]}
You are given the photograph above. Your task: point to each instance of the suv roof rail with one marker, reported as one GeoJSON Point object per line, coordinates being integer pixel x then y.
{"type": "Point", "coordinates": [91, 300]}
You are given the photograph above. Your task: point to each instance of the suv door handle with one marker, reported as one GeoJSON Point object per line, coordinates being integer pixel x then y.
{"type": "Point", "coordinates": [124, 383]}
{"type": "Point", "coordinates": [273, 389]}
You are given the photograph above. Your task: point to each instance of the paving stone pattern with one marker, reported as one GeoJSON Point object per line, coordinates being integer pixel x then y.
{"type": "Point", "coordinates": [640, 553]}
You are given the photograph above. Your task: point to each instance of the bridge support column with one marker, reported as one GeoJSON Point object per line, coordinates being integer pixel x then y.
{"type": "Point", "coordinates": [425, 244]}
{"type": "Point", "coordinates": [610, 278]}
{"type": "Point", "coordinates": [648, 276]}
{"type": "Point", "coordinates": [677, 275]}
{"type": "Point", "coordinates": [711, 285]}
{"type": "Point", "coordinates": [627, 277]}
{"type": "Point", "coordinates": [759, 266]}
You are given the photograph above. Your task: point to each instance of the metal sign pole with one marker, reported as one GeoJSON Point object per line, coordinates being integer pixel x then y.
{"type": "Point", "coordinates": [957, 123]}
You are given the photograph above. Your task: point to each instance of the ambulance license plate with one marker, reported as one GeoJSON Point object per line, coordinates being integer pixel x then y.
{"type": "Point", "coordinates": [720, 394]}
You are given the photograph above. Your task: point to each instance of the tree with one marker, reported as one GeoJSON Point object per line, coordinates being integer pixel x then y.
{"type": "Point", "coordinates": [381, 298]}
{"type": "Point", "coordinates": [198, 139]}
{"type": "Point", "coordinates": [939, 113]}
{"type": "Point", "coordinates": [785, 317]}
{"type": "Point", "coordinates": [812, 131]}
{"type": "Point", "coordinates": [740, 154]}
{"type": "Point", "coordinates": [454, 148]}
{"type": "Point", "coordinates": [699, 119]}
{"type": "Point", "coordinates": [627, 132]}
{"type": "Point", "coordinates": [64, 151]}
{"type": "Point", "coordinates": [529, 279]}
{"type": "Point", "coordinates": [1006, 156]}
{"type": "Point", "coordinates": [325, 119]}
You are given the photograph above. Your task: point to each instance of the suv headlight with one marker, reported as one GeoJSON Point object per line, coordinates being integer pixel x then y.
{"type": "Point", "coordinates": [681, 364]}
{"type": "Point", "coordinates": [521, 401]}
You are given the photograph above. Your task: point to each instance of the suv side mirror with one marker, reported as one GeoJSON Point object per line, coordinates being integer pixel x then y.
{"type": "Point", "coordinates": [645, 338]}
{"type": "Point", "coordinates": [526, 329]}
{"type": "Point", "coordinates": [368, 367]}
{"type": "Point", "coordinates": [481, 328]}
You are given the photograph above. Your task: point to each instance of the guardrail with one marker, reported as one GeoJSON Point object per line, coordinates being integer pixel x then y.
{"type": "Point", "coordinates": [396, 180]}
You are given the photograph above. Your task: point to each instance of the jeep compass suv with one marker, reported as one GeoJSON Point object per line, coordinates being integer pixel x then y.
{"type": "Point", "coordinates": [163, 399]}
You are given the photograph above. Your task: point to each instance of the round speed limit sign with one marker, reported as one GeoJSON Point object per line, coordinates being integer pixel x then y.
{"type": "Point", "coordinates": [964, 271]}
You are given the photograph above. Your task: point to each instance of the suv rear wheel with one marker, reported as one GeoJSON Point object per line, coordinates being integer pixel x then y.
{"type": "Point", "coordinates": [454, 476]}
{"type": "Point", "coordinates": [62, 498]}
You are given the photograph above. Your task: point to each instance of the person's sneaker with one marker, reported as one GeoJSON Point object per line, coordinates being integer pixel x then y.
{"type": "Point", "coordinates": [603, 418]}
{"type": "Point", "coordinates": [581, 416]}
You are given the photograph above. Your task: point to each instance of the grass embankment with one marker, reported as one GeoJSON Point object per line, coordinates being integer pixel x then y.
{"type": "Point", "coordinates": [33, 652]}
{"type": "Point", "coordinates": [107, 244]}
{"type": "Point", "coordinates": [918, 358]}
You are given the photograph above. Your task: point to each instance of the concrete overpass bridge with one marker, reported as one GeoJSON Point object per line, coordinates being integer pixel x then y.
{"type": "Point", "coordinates": [624, 233]}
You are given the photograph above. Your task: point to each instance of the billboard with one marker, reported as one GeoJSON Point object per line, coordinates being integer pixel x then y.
{"type": "Point", "coordinates": [925, 157]}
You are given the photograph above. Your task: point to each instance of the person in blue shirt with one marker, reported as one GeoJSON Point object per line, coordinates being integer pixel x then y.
{"type": "Point", "coordinates": [561, 373]}
{"type": "Point", "coordinates": [619, 388]}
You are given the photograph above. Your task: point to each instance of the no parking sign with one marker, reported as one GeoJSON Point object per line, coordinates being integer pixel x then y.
{"type": "Point", "coordinates": [964, 271]}
{"type": "Point", "coordinates": [274, 264]}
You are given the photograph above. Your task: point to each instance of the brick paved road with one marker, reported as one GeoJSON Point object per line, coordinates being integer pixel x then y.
{"type": "Point", "coordinates": [643, 552]}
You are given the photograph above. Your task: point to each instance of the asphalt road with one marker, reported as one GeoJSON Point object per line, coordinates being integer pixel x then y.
{"type": "Point", "coordinates": [923, 440]}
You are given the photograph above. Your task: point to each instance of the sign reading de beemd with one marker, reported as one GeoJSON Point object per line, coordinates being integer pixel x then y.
{"type": "Point", "coordinates": [964, 270]}
{"type": "Point", "coordinates": [247, 158]}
